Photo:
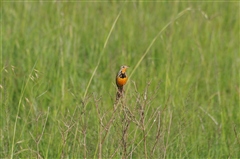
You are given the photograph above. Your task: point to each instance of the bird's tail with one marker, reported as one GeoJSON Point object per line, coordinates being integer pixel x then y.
{"type": "Point", "coordinates": [119, 92]}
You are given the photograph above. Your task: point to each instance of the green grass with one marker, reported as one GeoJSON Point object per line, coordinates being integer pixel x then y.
{"type": "Point", "coordinates": [59, 62]}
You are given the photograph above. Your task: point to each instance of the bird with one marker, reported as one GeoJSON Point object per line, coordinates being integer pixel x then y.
{"type": "Point", "coordinates": [121, 80]}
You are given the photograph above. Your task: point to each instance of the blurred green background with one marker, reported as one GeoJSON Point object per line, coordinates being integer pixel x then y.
{"type": "Point", "coordinates": [49, 53]}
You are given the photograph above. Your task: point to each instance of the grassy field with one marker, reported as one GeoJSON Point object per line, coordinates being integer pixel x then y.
{"type": "Point", "coordinates": [58, 67]}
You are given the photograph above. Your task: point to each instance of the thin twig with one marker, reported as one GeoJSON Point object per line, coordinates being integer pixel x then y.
{"type": "Point", "coordinates": [100, 57]}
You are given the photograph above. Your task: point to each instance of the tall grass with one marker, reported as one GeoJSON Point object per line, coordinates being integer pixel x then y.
{"type": "Point", "coordinates": [59, 62]}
